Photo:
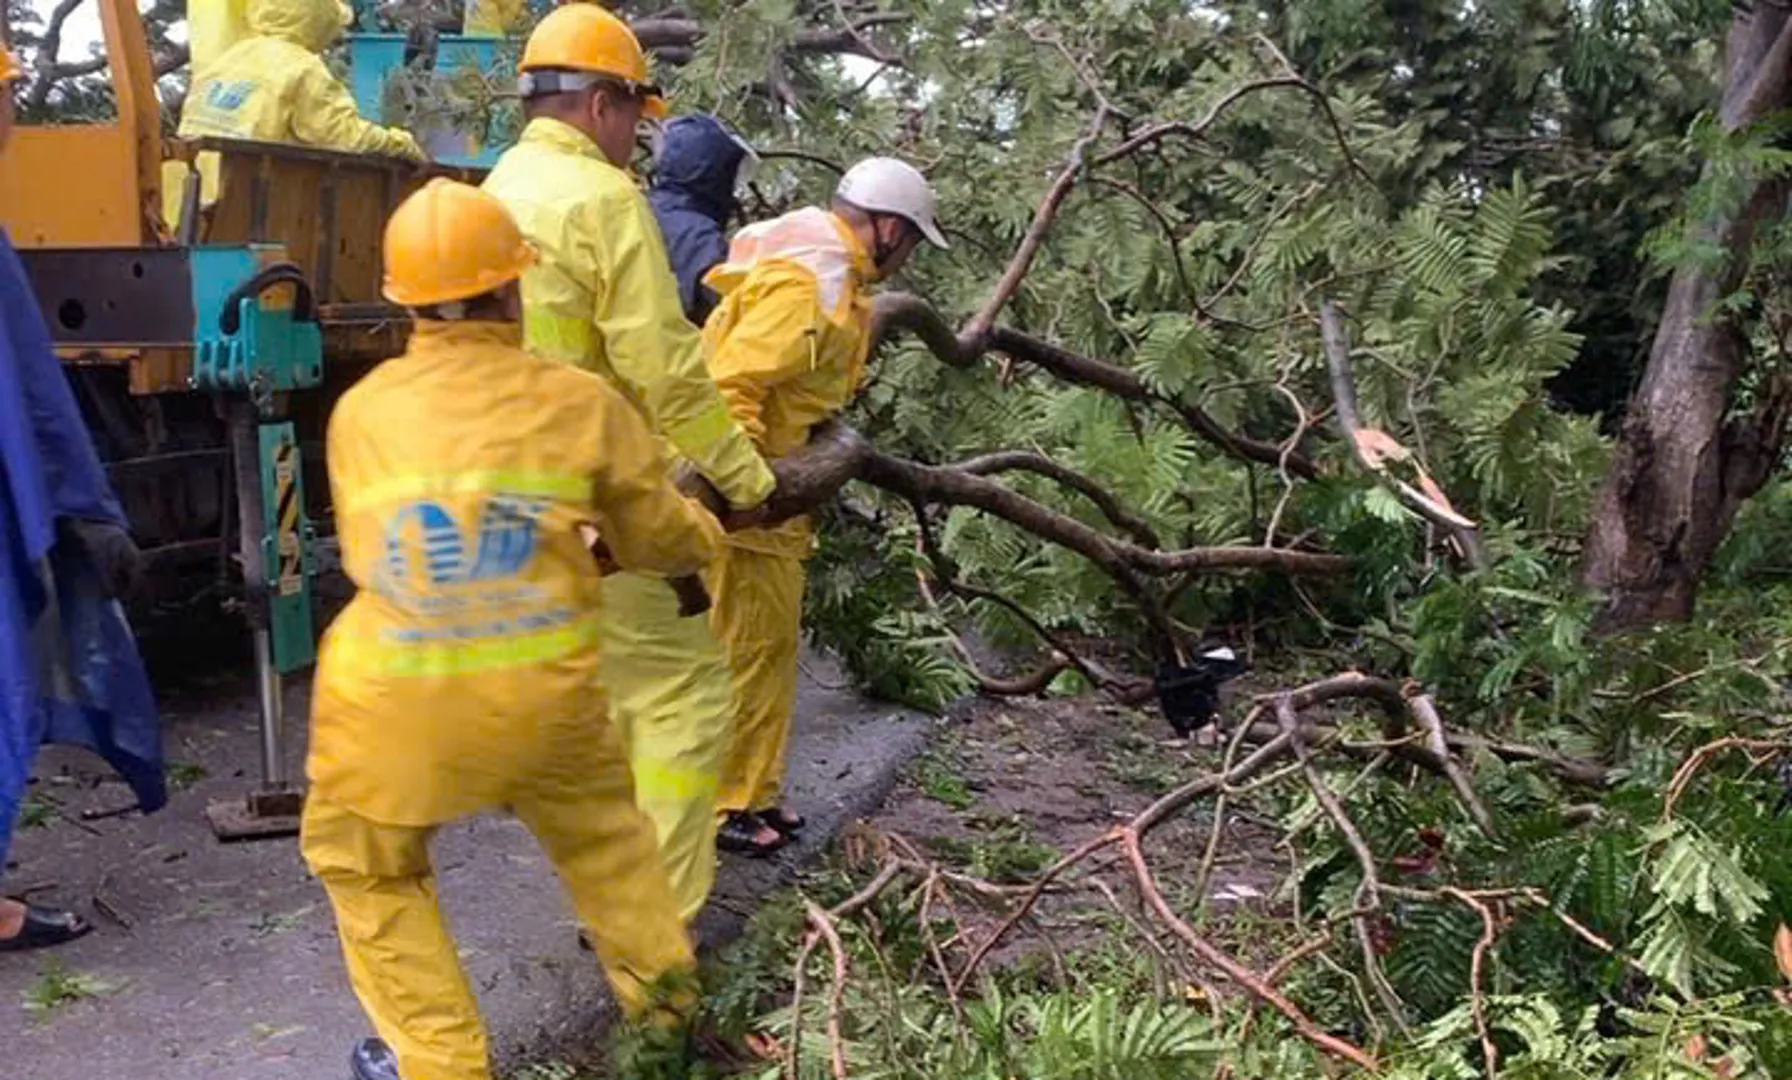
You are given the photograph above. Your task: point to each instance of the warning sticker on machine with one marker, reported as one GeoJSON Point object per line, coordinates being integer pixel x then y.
{"type": "Point", "coordinates": [291, 578]}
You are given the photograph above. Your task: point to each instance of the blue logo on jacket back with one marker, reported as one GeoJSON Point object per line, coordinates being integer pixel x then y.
{"type": "Point", "coordinates": [426, 548]}
{"type": "Point", "coordinates": [229, 96]}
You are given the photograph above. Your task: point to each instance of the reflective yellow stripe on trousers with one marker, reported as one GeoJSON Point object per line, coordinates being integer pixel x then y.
{"type": "Point", "coordinates": [658, 781]}
{"type": "Point", "coordinates": [443, 659]}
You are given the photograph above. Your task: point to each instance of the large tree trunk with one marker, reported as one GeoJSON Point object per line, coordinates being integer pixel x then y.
{"type": "Point", "coordinates": [1682, 468]}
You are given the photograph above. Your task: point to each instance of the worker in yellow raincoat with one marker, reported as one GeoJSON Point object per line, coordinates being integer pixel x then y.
{"type": "Point", "coordinates": [603, 298]}
{"type": "Point", "coordinates": [273, 86]}
{"type": "Point", "coordinates": [787, 346]}
{"type": "Point", "coordinates": [461, 677]}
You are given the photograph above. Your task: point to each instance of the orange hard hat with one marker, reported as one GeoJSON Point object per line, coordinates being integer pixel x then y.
{"type": "Point", "coordinates": [9, 67]}
{"type": "Point", "coordinates": [582, 37]}
{"type": "Point", "coordinates": [451, 241]}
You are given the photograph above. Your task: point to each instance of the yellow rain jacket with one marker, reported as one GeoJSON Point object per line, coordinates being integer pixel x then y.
{"type": "Point", "coordinates": [459, 473]}
{"type": "Point", "coordinates": [462, 676]}
{"type": "Point", "coordinates": [493, 18]}
{"type": "Point", "coordinates": [273, 86]}
{"type": "Point", "coordinates": [603, 297]}
{"type": "Point", "coordinates": [787, 347]}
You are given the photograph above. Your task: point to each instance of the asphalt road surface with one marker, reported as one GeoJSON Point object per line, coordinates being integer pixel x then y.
{"type": "Point", "coordinates": [219, 962]}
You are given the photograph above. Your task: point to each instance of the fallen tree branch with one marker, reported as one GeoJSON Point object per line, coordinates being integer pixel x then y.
{"type": "Point", "coordinates": [1234, 970]}
{"type": "Point", "coordinates": [896, 312]}
{"type": "Point", "coordinates": [824, 925]}
{"type": "Point", "coordinates": [1368, 893]}
{"type": "Point", "coordinates": [1424, 711]}
{"type": "Point", "coordinates": [1169, 230]}
{"type": "Point", "coordinates": [806, 480]}
{"type": "Point", "coordinates": [1026, 461]}
{"type": "Point", "coordinates": [1062, 654]}
{"type": "Point", "coordinates": [1697, 759]}
{"type": "Point", "coordinates": [975, 335]}
{"type": "Point", "coordinates": [1343, 379]}
{"type": "Point", "coordinates": [793, 1056]}
{"type": "Point", "coordinates": [954, 487]}
{"type": "Point", "coordinates": [1407, 709]}
{"type": "Point", "coordinates": [803, 155]}
{"type": "Point", "coordinates": [1036, 682]}
{"type": "Point", "coordinates": [1157, 133]}
{"type": "Point", "coordinates": [1398, 738]}
{"type": "Point", "coordinates": [940, 965]}
{"type": "Point", "coordinates": [1476, 972]}
{"type": "Point", "coordinates": [1027, 903]}
{"type": "Point", "coordinates": [1174, 802]}
{"type": "Point", "coordinates": [1128, 564]}
{"type": "Point", "coordinates": [855, 29]}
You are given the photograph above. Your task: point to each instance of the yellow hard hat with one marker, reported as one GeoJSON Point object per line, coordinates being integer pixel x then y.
{"type": "Point", "coordinates": [9, 67]}
{"type": "Point", "coordinates": [582, 37]}
{"type": "Point", "coordinates": [451, 241]}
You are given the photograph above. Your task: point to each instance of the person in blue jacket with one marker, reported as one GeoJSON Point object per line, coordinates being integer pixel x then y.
{"type": "Point", "coordinates": [69, 669]}
{"type": "Point", "coordinates": [701, 164]}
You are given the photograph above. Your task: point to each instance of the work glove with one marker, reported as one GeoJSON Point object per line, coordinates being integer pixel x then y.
{"type": "Point", "coordinates": [405, 146]}
{"type": "Point", "coordinates": [805, 479]}
{"type": "Point", "coordinates": [693, 485]}
{"type": "Point", "coordinates": [109, 550]}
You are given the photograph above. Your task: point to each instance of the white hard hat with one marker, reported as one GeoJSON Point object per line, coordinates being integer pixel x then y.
{"type": "Point", "coordinates": [885, 185]}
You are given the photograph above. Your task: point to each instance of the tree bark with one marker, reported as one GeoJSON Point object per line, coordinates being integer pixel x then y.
{"type": "Point", "coordinates": [1684, 465]}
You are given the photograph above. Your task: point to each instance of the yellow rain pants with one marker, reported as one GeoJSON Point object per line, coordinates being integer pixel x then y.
{"type": "Point", "coordinates": [463, 676]}
{"type": "Point", "coordinates": [603, 298]}
{"type": "Point", "coordinates": [401, 959]}
{"type": "Point", "coordinates": [758, 615]}
{"type": "Point", "coordinates": [787, 347]}
{"type": "Point", "coordinates": [671, 697]}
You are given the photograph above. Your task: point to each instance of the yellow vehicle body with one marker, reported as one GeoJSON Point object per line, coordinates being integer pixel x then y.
{"type": "Point", "coordinates": [92, 195]}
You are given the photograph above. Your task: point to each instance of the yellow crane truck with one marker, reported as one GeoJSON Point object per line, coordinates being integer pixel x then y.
{"type": "Point", "coordinates": [206, 352]}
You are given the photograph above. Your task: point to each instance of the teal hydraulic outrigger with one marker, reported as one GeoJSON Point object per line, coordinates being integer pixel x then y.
{"type": "Point", "coordinates": [257, 341]}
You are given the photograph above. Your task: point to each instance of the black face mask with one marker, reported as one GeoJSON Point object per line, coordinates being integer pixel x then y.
{"type": "Point", "coordinates": [882, 252]}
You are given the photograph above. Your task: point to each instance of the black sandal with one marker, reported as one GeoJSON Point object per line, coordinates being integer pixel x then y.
{"type": "Point", "coordinates": [44, 929]}
{"type": "Point", "coordinates": [739, 833]}
{"type": "Point", "coordinates": [786, 823]}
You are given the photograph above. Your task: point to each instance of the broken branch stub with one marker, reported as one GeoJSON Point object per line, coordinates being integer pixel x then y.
{"type": "Point", "coordinates": [1375, 449]}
